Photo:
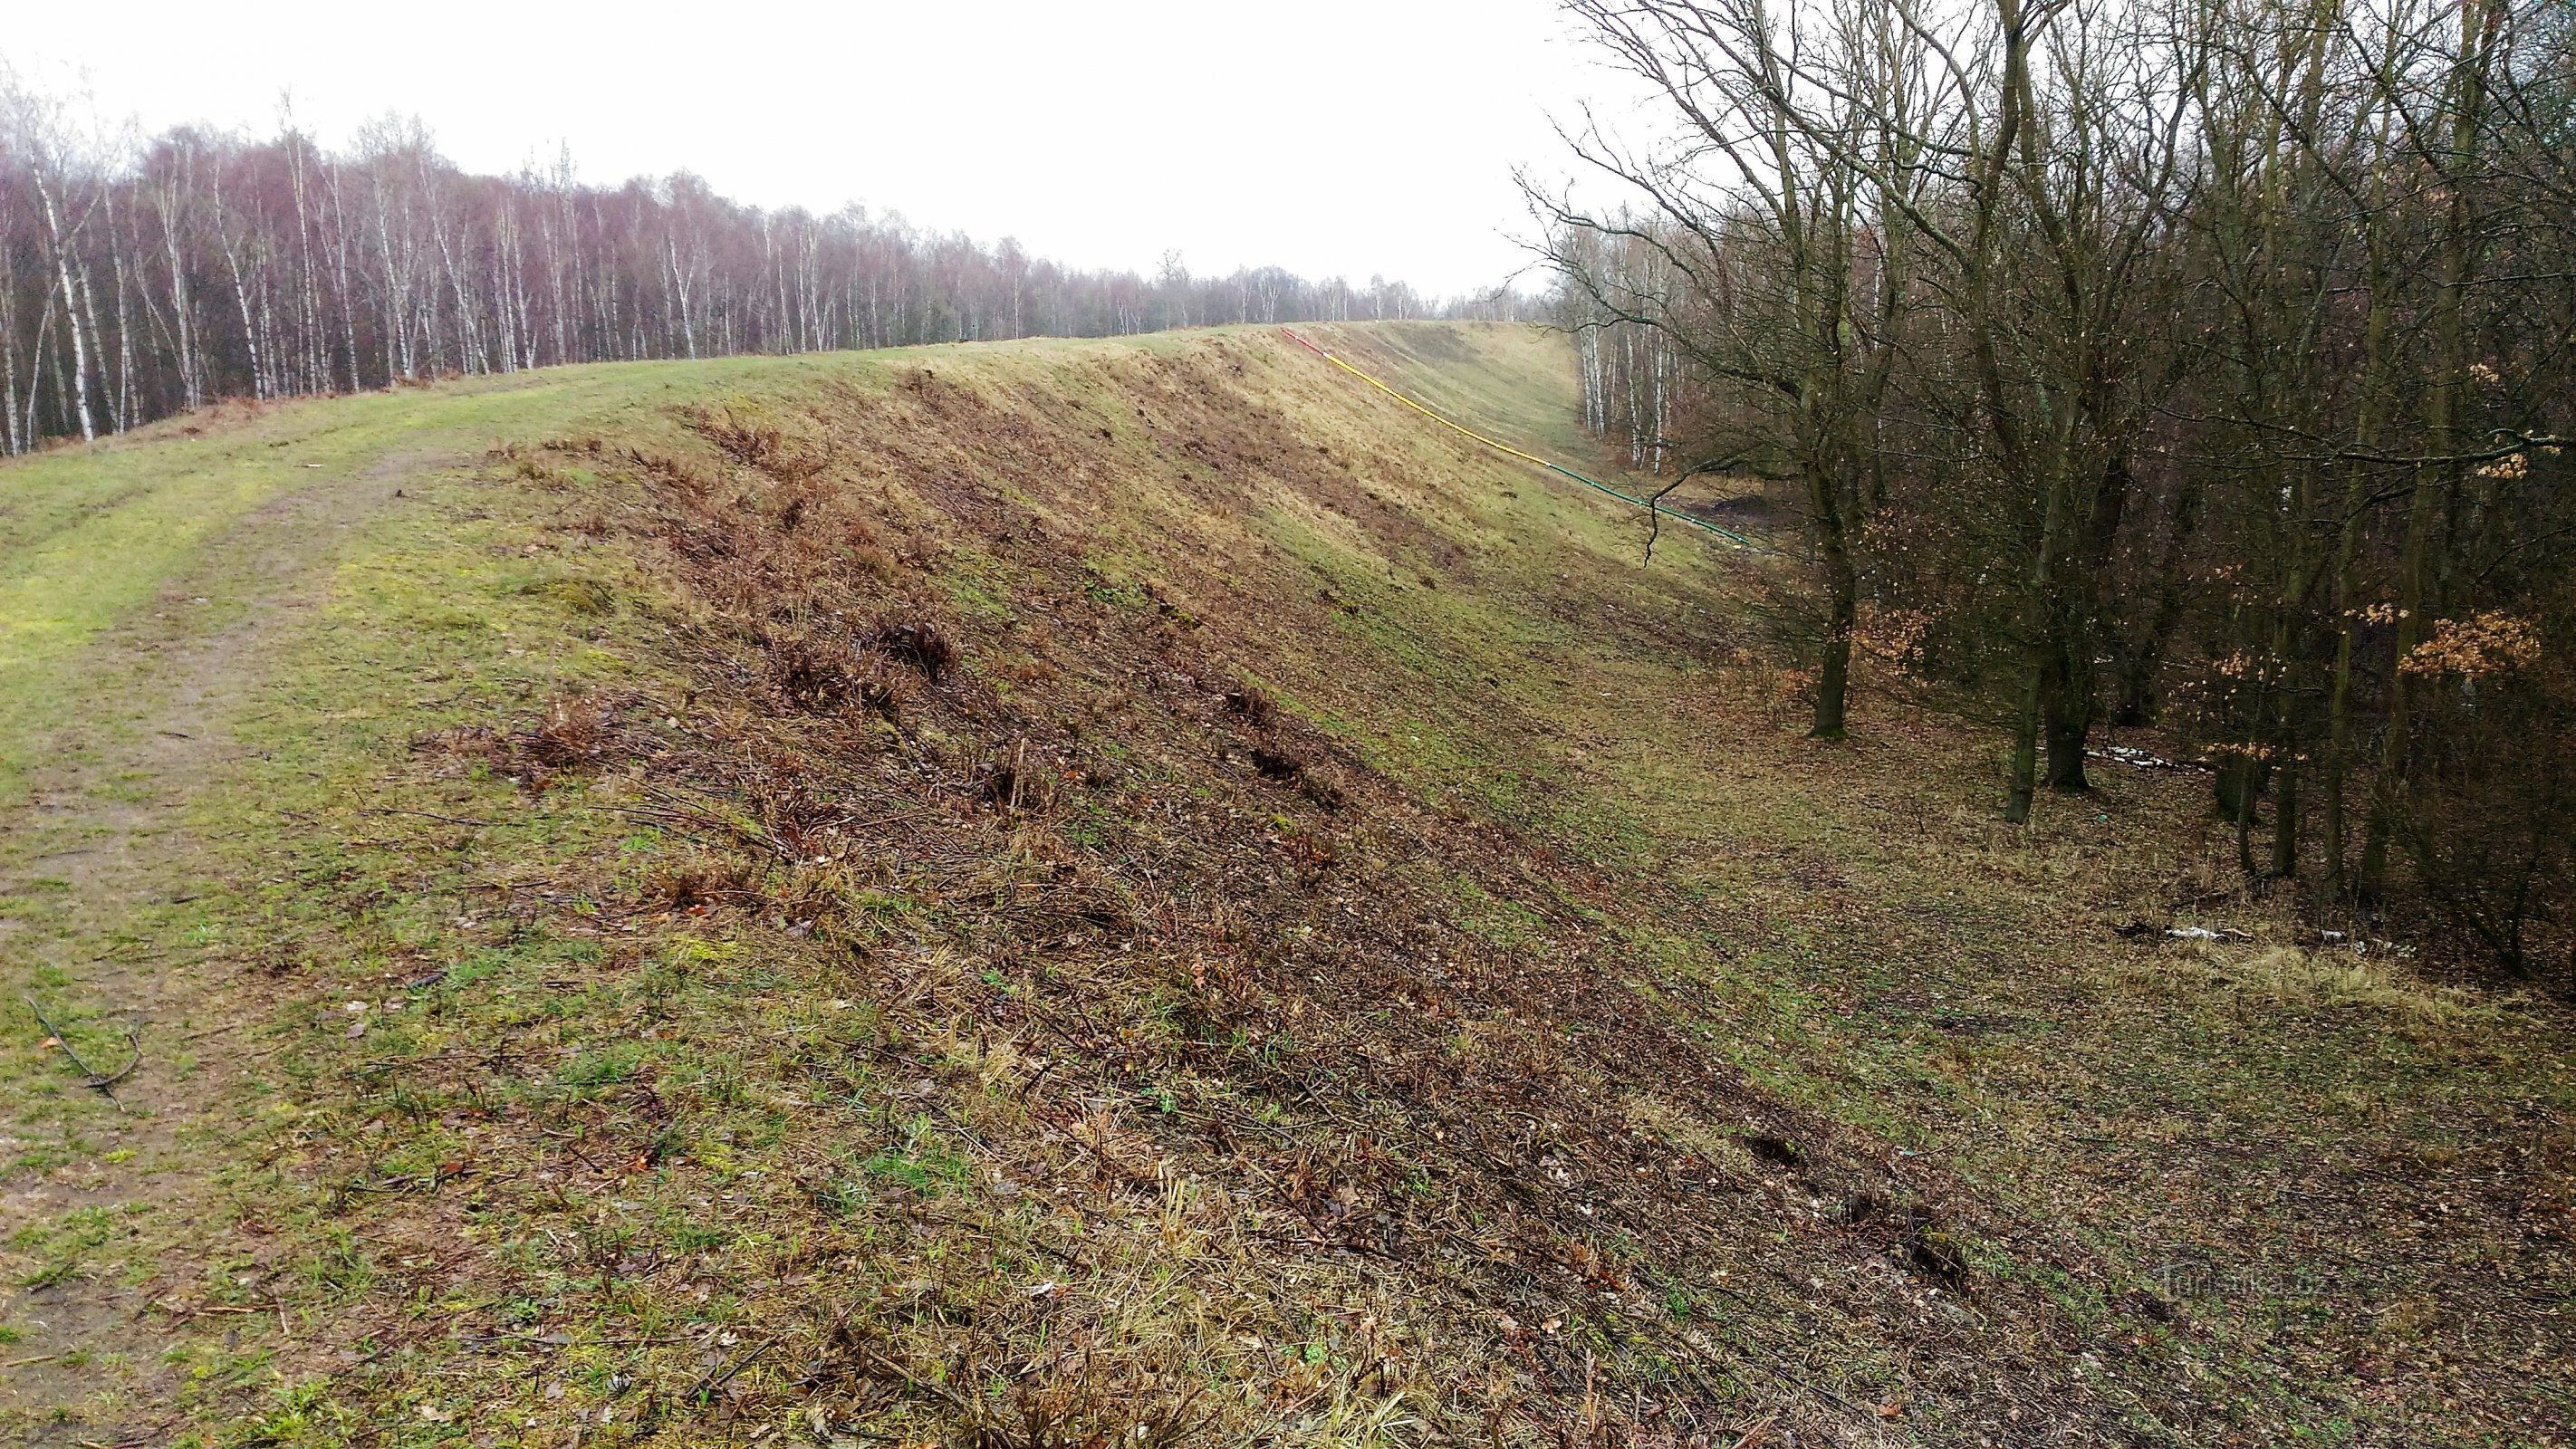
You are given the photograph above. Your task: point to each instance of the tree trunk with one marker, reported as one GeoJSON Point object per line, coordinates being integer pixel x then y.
{"type": "Point", "coordinates": [79, 381]}
{"type": "Point", "coordinates": [1842, 609]}
{"type": "Point", "coordinates": [2438, 476]}
{"type": "Point", "coordinates": [2066, 703]}
{"type": "Point", "coordinates": [2285, 822]}
{"type": "Point", "coordinates": [1833, 678]}
{"type": "Point", "coordinates": [2139, 661]}
{"type": "Point", "coordinates": [2238, 786]}
{"type": "Point", "coordinates": [2024, 778]}
{"type": "Point", "coordinates": [2338, 751]}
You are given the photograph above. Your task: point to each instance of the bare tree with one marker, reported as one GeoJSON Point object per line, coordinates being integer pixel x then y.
{"type": "Point", "coordinates": [1765, 259]}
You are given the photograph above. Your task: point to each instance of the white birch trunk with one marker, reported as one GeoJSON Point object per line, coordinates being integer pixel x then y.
{"type": "Point", "coordinates": [63, 278]}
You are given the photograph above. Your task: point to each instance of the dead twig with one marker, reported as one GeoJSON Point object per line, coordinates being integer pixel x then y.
{"type": "Point", "coordinates": [688, 815]}
{"type": "Point", "coordinates": [709, 1382]}
{"type": "Point", "coordinates": [428, 815]}
{"type": "Point", "coordinates": [886, 1364]}
{"type": "Point", "coordinates": [103, 1082]}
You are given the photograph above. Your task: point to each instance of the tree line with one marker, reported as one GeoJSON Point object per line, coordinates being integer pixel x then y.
{"type": "Point", "coordinates": [2197, 362]}
{"type": "Point", "coordinates": [141, 277]}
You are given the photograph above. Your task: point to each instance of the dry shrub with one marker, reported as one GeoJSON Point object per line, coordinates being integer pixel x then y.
{"type": "Point", "coordinates": [700, 881]}
{"type": "Point", "coordinates": [2488, 809]}
{"type": "Point", "coordinates": [575, 732]}
{"type": "Point", "coordinates": [530, 466]}
{"type": "Point", "coordinates": [459, 743]}
{"type": "Point", "coordinates": [760, 446]}
{"type": "Point", "coordinates": [821, 670]}
{"type": "Point", "coordinates": [809, 894]}
{"type": "Point", "coordinates": [681, 480]}
{"type": "Point", "coordinates": [918, 642]}
{"type": "Point", "coordinates": [1254, 705]}
{"type": "Point", "coordinates": [1276, 761]}
{"type": "Point", "coordinates": [781, 789]}
{"type": "Point", "coordinates": [1014, 781]}
{"type": "Point", "coordinates": [864, 550]}
{"type": "Point", "coordinates": [1323, 789]}
{"type": "Point", "coordinates": [1277, 764]}
{"type": "Point", "coordinates": [1088, 1410]}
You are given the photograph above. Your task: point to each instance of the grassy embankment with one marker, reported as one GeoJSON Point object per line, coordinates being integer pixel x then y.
{"type": "Point", "coordinates": [1116, 886]}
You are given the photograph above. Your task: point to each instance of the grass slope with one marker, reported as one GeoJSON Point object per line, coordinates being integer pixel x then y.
{"type": "Point", "coordinates": [1038, 894]}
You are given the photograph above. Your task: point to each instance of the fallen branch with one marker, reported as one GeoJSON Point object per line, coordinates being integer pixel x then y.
{"type": "Point", "coordinates": [428, 815]}
{"type": "Point", "coordinates": [886, 1366]}
{"type": "Point", "coordinates": [709, 1382]}
{"type": "Point", "coordinates": [103, 1082]}
{"type": "Point", "coordinates": [689, 815]}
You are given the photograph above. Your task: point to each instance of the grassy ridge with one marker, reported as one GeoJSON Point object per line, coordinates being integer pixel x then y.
{"type": "Point", "coordinates": [729, 1028]}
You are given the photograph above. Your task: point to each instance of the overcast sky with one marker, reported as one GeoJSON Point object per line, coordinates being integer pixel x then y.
{"type": "Point", "coordinates": [1326, 136]}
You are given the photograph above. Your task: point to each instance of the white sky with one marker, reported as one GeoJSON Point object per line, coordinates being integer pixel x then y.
{"type": "Point", "coordinates": [1326, 136]}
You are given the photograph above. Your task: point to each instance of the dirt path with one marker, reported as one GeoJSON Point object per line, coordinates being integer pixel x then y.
{"type": "Point", "coordinates": [100, 844]}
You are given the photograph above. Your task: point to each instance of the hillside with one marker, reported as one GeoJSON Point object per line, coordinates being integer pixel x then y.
{"type": "Point", "coordinates": [1053, 892]}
